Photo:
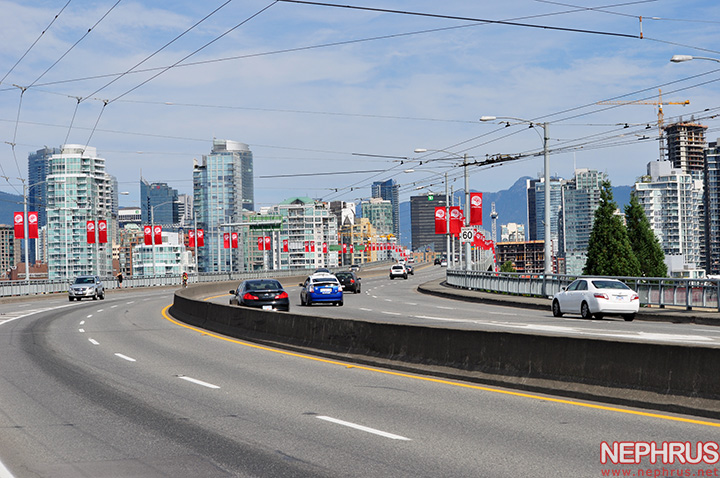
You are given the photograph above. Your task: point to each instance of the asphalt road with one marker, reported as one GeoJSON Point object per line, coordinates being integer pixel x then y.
{"type": "Point", "coordinates": [117, 388]}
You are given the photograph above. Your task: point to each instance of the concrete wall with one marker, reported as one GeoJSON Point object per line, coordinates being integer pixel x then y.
{"type": "Point", "coordinates": [669, 377]}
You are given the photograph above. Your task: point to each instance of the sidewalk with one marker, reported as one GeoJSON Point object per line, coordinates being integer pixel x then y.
{"type": "Point", "coordinates": [675, 315]}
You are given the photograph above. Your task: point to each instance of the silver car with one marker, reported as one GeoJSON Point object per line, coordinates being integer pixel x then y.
{"type": "Point", "coordinates": [86, 286]}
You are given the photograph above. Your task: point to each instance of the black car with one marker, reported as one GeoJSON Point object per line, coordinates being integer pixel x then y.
{"type": "Point", "coordinates": [410, 269]}
{"type": "Point", "coordinates": [265, 294]}
{"type": "Point", "coordinates": [349, 281]}
{"type": "Point", "coordinates": [437, 261]}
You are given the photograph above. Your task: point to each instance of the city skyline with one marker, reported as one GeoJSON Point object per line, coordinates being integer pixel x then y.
{"type": "Point", "coordinates": [307, 104]}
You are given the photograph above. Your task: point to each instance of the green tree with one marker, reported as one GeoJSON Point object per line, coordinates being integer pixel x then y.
{"type": "Point", "coordinates": [609, 249]}
{"type": "Point", "coordinates": [507, 266]}
{"type": "Point", "coordinates": [643, 240]}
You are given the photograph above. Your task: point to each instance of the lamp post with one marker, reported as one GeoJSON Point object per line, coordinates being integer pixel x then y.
{"type": "Point", "coordinates": [546, 155]}
{"type": "Point", "coordinates": [447, 205]}
{"type": "Point", "coordinates": [468, 262]}
{"type": "Point", "coordinates": [682, 58]}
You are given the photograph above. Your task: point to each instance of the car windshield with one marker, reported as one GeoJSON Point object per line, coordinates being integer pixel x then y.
{"type": "Point", "coordinates": [609, 284]}
{"type": "Point", "coordinates": [263, 285]}
{"type": "Point", "coordinates": [343, 275]}
{"type": "Point", "coordinates": [85, 280]}
{"type": "Point", "coordinates": [322, 282]}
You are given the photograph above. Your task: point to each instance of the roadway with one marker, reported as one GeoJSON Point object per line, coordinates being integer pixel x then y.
{"type": "Point", "coordinates": [119, 388]}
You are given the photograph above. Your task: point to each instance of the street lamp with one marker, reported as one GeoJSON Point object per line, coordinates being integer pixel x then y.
{"type": "Point", "coordinates": [468, 264]}
{"type": "Point", "coordinates": [447, 203]}
{"type": "Point", "coordinates": [682, 58]}
{"type": "Point", "coordinates": [547, 228]}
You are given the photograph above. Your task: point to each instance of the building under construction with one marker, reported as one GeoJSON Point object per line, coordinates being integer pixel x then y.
{"type": "Point", "coordinates": [686, 147]}
{"type": "Point", "coordinates": [527, 257]}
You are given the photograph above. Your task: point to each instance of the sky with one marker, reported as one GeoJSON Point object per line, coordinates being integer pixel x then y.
{"type": "Point", "coordinates": [330, 98]}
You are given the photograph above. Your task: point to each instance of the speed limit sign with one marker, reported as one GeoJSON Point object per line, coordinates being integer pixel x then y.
{"type": "Point", "coordinates": [467, 234]}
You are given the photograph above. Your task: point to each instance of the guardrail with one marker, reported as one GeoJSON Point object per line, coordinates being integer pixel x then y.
{"type": "Point", "coordinates": [36, 287]}
{"type": "Point", "coordinates": [653, 291]}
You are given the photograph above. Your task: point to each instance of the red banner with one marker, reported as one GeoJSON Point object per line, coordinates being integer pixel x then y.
{"type": "Point", "coordinates": [191, 238]}
{"type": "Point", "coordinates": [440, 221]}
{"type": "Point", "coordinates": [90, 229]}
{"type": "Point", "coordinates": [19, 219]}
{"type": "Point", "coordinates": [32, 225]}
{"type": "Point", "coordinates": [307, 246]}
{"type": "Point", "coordinates": [226, 240]}
{"type": "Point", "coordinates": [352, 249]}
{"type": "Point", "coordinates": [102, 231]}
{"type": "Point", "coordinates": [147, 230]}
{"type": "Point", "coordinates": [324, 247]}
{"type": "Point", "coordinates": [234, 240]}
{"type": "Point", "coordinates": [200, 237]}
{"type": "Point", "coordinates": [286, 245]}
{"type": "Point", "coordinates": [456, 220]}
{"type": "Point", "coordinates": [261, 243]}
{"type": "Point", "coordinates": [312, 246]}
{"type": "Point", "coordinates": [157, 232]}
{"type": "Point", "coordinates": [476, 209]}
{"type": "Point", "coordinates": [268, 243]}
{"type": "Point", "coordinates": [344, 248]}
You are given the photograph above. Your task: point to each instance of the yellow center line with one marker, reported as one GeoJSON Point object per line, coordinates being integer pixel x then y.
{"type": "Point", "coordinates": [437, 380]}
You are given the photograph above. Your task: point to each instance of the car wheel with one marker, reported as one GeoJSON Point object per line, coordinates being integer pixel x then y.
{"type": "Point", "coordinates": [70, 299]}
{"type": "Point", "coordinates": [95, 297]}
{"type": "Point", "coordinates": [556, 309]}
{"type": "Point", "coordinates": [585, 311]}
{"type": "Point", "coordinates": [628, 317]}
{"type": "Point", "coordinates": [339, 304]}
{"type": "Point", "coordinates": [102, 297]}
{"type": "Point", "coordinates": [405, 277]}
{"type": "Point", "coordinates": [391, 277]}
{"type": "Point", "coordinates": [308, 301]}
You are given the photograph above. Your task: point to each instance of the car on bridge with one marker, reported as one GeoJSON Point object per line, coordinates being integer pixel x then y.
{"type": "Point", "coordinates": [349, 281]}
{"type": "Point", "coordinates": [321, 287]}
{"type": "Point", "coordinates": [267, 294]}
{"type": "Point", "coordinates": [86, 286]}
{"type": "Point", "coordinates": [596, 297]}
{"type": "Point", "coordinates": [398, 270]}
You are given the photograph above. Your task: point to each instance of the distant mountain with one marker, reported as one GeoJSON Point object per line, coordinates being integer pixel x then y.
{"type": "Point", "coordinates": [9, 203]}
{"type": "Point", "coordinates": [510, 204]}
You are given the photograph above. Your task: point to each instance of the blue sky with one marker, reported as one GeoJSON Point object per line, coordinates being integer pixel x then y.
{"type": "Point", "coordinates": [316, 90]}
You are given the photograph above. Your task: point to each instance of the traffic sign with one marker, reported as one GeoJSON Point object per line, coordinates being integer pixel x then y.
{"type": "Point", "coordinates": [467, 234]}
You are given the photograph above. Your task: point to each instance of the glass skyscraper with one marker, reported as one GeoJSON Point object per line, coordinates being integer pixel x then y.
{"type": "Point", "coordinates": [37, 196]}
{"type": "Point", "coordinates": [390, 191]}
{"type": "Point", "coordinates": [162, 201]}
{"type": "Point", "coordinates": [222, 189]}
{"type": "Point", "coordinates": [78, 190]}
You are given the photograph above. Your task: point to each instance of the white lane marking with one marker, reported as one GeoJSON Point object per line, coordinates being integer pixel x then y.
{"type": "Point", "coordinates": [198, 382]}
{"type": "Point", "coordinates": [113, 306]}
{"type": "Point", "coordinates": [125, 357]}
{"type": "Point", "coordinates": [100, 310]}
{"type": "Point", "coordinates": [4, 472]}
{"type": "Point", "coordinates": [410, 303]}
{"type": "Point", "coordinates": [374, 296]}
{"type": "Point", "coordinates": [388, 300]}
{"type": "Point", "coordinates": [82, 331]}
{"type": "Point", "coordinates": [94, 342]}
{"type": "Point", "coordinates": [82, 322]}
{"type": "Point", "coordinates": [366, 310]}
{"type": "Point", "coordinates": [443, 307]}
{"type": "Point", "coordinates": [390, 313]}
{"type": "Point", "coordinates": [440, 318]}
{"type": "Point", "coordinates": [363, 428]}
{"type": "Point", "coordinates": [89, 316]}
{"type": "Point", "coordinates": [131, 302]}
{"type": "Point", "coordinates": [24, 314]}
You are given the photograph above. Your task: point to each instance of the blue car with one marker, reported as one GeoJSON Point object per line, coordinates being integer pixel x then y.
{"type": "Point", "coordinates": [321, 287]}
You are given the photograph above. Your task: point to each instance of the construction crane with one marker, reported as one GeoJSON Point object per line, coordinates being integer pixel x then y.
{"type": "Point", "coordinates": [494, 217]}
{"type": "Point", "coordinates": [661, 115]}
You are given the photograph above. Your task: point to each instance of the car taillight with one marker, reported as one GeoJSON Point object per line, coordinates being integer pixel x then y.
{"type": "Point", "coordinates": [634, 297]}
{"type": "Point", "coordinates": [249, 296]}
{"type": "Point", "coordinates": [601, 296]}
{"type": "Point", "coordinates": [352, 281]}
{"type": "Point", "coordinates": [311, 289]}
{"type": "Point", "coordinates": [282, 295]}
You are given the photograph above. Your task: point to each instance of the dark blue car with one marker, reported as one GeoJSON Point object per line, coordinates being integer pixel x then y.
{"type": "Point", "coordinates": [321, 287]}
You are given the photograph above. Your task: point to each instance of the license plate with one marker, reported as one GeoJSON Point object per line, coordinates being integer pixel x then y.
{"type": "Point", "coordinates": [326, 291]}
{"type": "Point", "coordinates": [267, 307]}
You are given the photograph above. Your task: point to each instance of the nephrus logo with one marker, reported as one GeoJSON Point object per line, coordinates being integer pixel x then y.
{"type": "Point", "coordinates": [91, 226]}
{"type": "Point", "coordinates": [19, 219]}
{"type": "Point", "coordinates": [455, 214]}
{"type": "Point", "coordinates": [32, 218]}
{"type": "Point", "coordinates": [440, 214]}
{"type": "Point", "coordinates": [476, 201]}
{"type": "Point", "coordinates": [102, 226]}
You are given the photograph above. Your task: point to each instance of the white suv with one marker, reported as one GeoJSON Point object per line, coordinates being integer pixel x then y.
{"type": "Point", "coordinates": [398, 270]}
{"type": "Point", "coordinates": [86, 286]}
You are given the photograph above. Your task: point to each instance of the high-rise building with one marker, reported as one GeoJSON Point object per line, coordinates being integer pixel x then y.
{"type": "Point", "coordinates": [9, 250]}
{"type": "Point", "coordinates": [159, 201]}
{"type": "Point", "coordinates": [390, 191]}
{"type": "Point", "coordinates": [537, 195]}
{"type": "Point", "coordinates": [37, 190]}
{"type": "Point", "coordinates": [671, 200]}
{"type": "Point", "coordinates": [686, 147]}
{"type": "Point", "coordinates": [580, 199]}
{"type": "Point", "coordinates": [222, 189]}
{"type": "Point", "coordinates": [512, 232]}
{"type": "Point", "coordinates": [711, 200]}
{"type": "Point", "coordinates": [380, 214]}
{"type": "Point", "coordinates": [78, 191]}
{"type": "Point", "coordinates": [531, 212]}
{"type": "Point", "coordinates": [422, 224]}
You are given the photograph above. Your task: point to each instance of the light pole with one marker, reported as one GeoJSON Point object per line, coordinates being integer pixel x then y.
{"type": "Point", "coordinates": [447, 205]}
{"type": "Point", "coordinates": [468, 262]}
{"type": "Point", "coordinates": [546, 155]}
{"type": "Point", "coordinates": [682, 58]}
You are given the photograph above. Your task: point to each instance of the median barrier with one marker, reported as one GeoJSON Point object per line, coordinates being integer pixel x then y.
{"type": "Point", "coordinates": [659, 376]}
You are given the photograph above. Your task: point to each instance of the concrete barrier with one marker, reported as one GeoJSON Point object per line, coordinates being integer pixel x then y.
{"type": "Point", "coordinates": [659, 376]}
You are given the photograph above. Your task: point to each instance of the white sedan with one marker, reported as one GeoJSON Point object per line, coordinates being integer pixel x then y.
{"type": "Point", "coordinates": [596, 297]}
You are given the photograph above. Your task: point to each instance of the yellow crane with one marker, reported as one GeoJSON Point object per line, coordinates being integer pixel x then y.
{"type": "Point", "coordinates": [661, 116]}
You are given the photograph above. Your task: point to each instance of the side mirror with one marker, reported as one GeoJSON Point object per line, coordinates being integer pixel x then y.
{"type": "Point", "coordinates": [563, 289]}
{"type": "Point", "coordinates": [232, 292]}
{"type": "Point", "coordinates": [301, 284]}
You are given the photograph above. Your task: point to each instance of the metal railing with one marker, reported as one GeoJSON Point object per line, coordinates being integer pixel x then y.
{"type": "Point", "coordinates": [45, 286]}
{"type": "Point", "coordinates": [653, 291]}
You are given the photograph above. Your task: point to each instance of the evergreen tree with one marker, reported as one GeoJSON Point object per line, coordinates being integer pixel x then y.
{"type": "Point", "coordinates": [507, 266]}
{"type": "Point", "coordinates": [609, 250]}
{"type": "Point", "coordinates": [643, 240]}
